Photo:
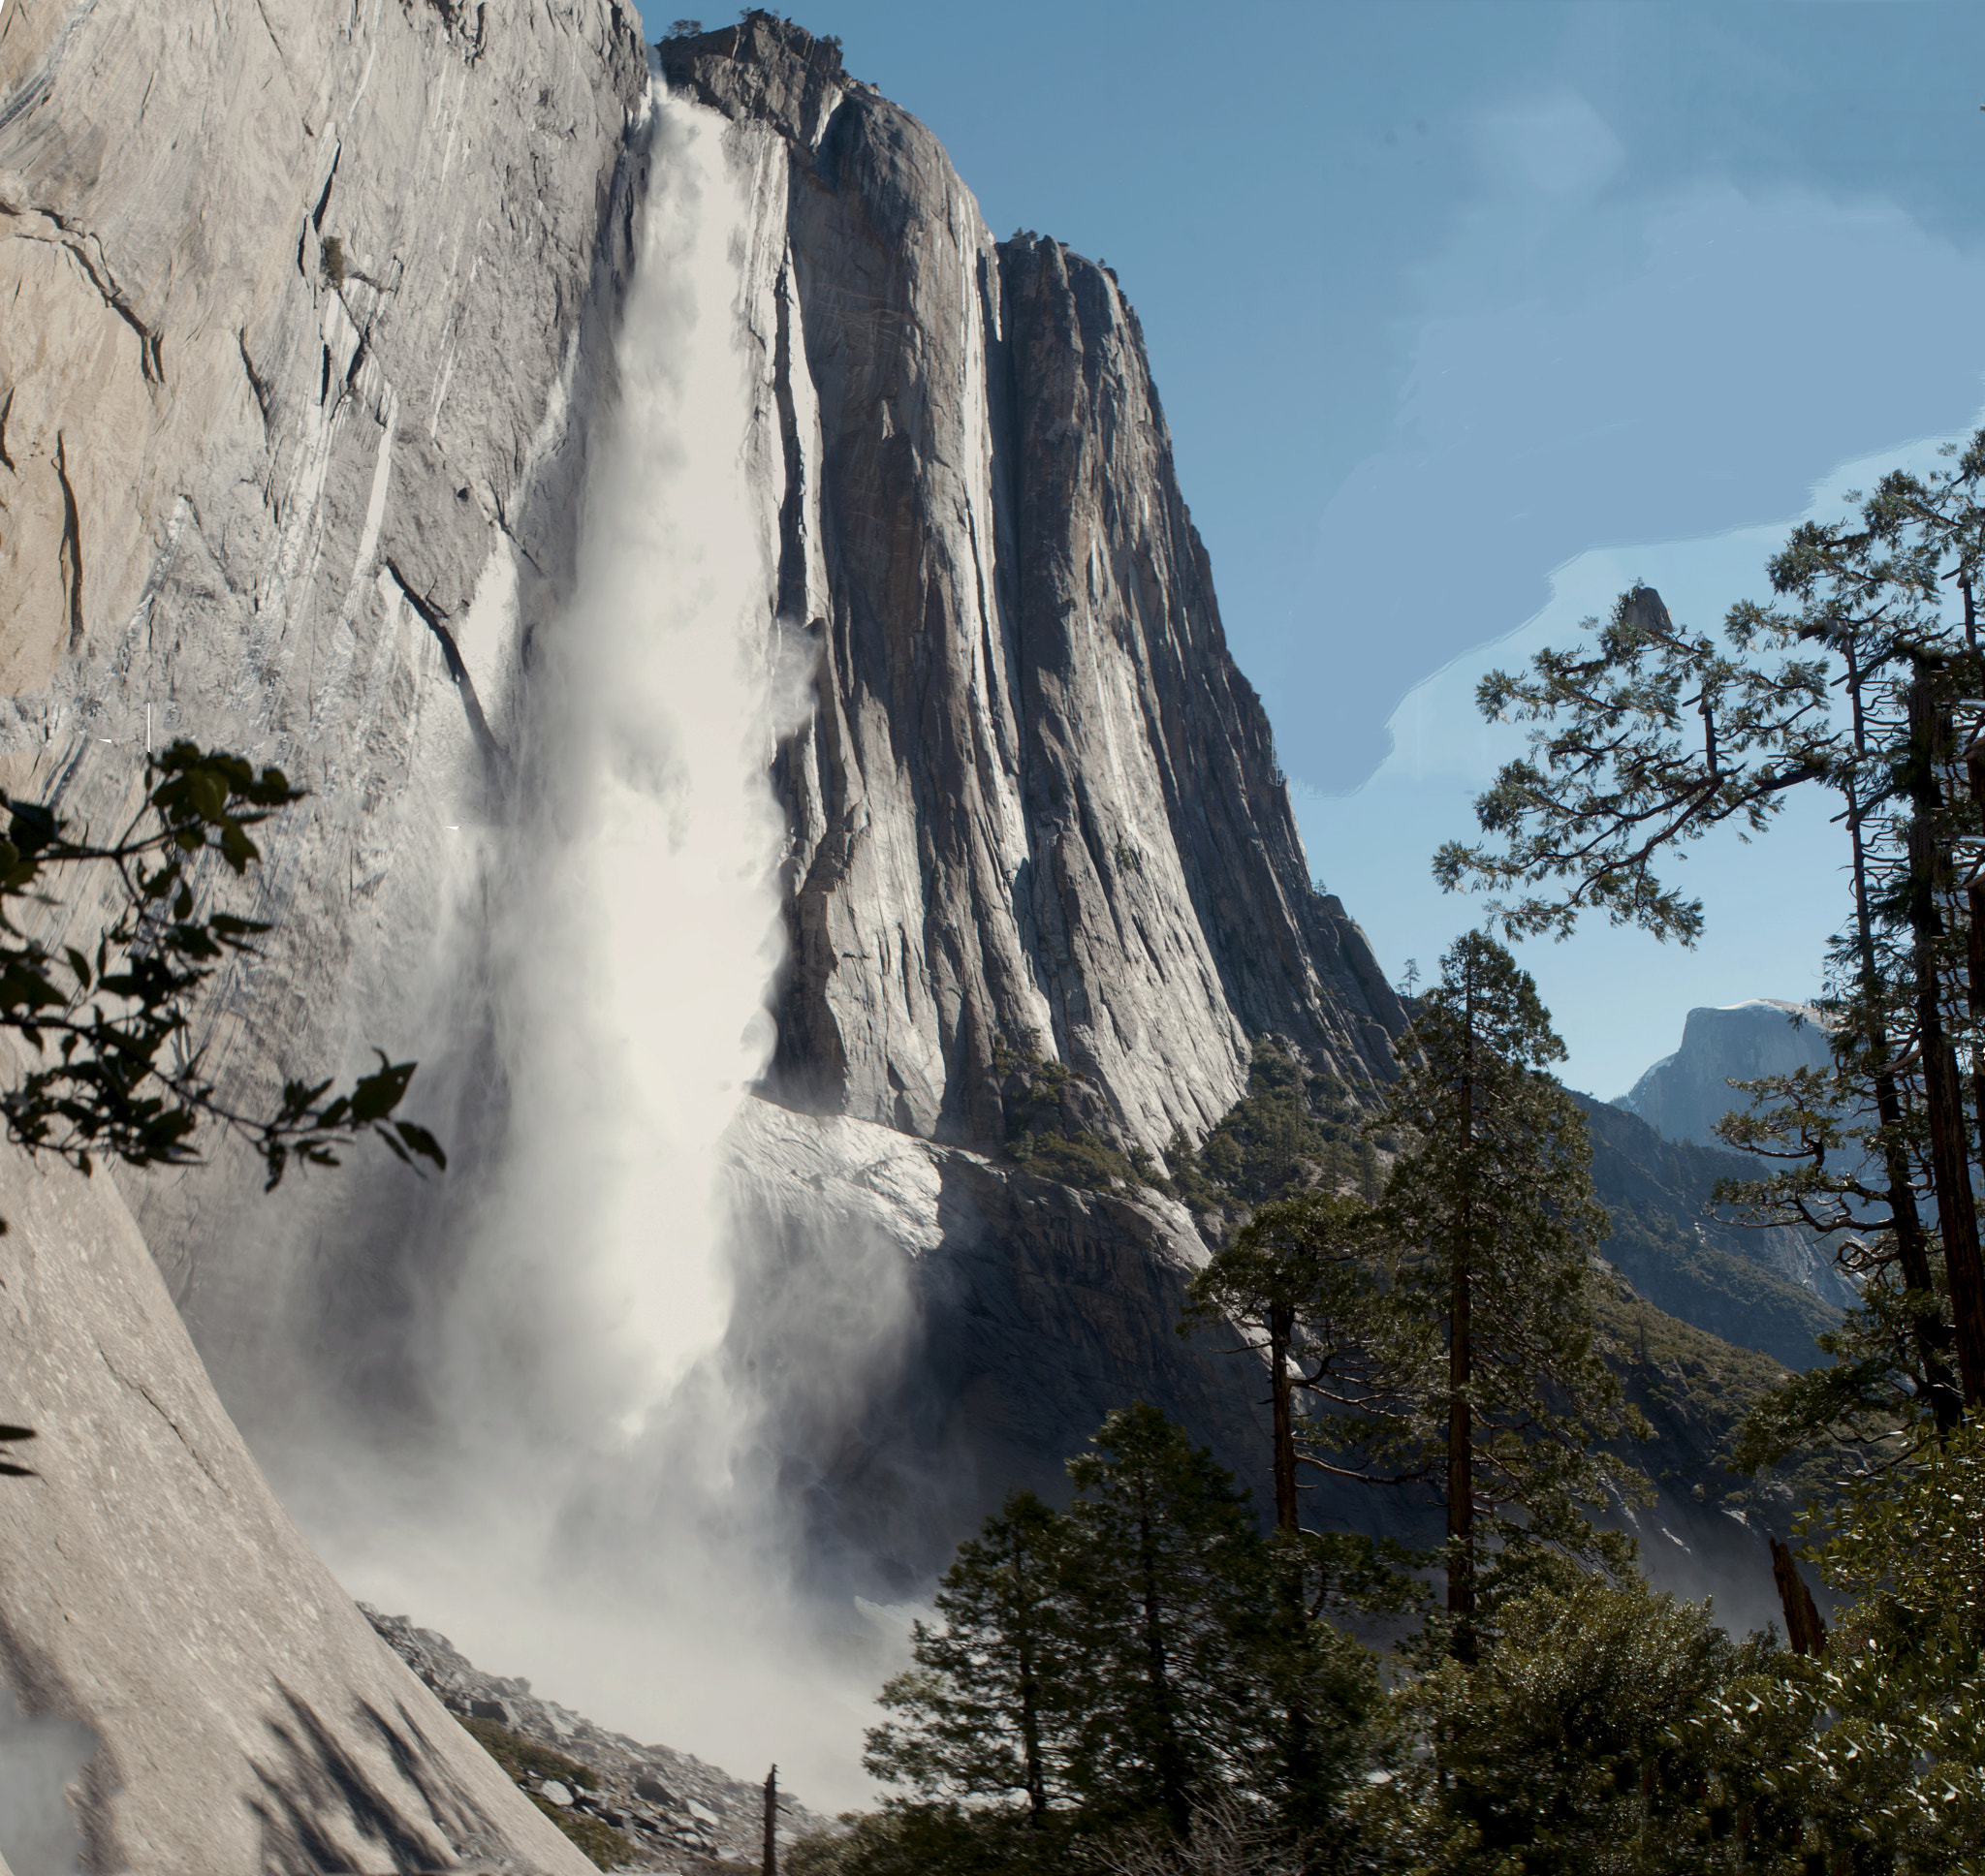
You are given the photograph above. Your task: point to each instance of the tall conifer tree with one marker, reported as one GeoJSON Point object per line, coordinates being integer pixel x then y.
{"type": "Point", "coordinates": [986, 1712]}
{"type": "Point", "coordinates": [1494, 1221]}
{"type": "Point", "coordinates": [1171, 1592]}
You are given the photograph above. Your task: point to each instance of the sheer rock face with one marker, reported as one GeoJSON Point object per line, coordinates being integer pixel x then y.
{"type": "Point", "coordinates": [289, 286]}
{"type": "Point", "coordinates": [293, 294]}
{"type": "Point", "coordinates": [1036, 797]}
{"type": "Point", "coordinates": [232, 1711]}
{"type": "Point", "coordinates": [1684, 1095]}
{"type": "Point", "coordinates": [301, 332]}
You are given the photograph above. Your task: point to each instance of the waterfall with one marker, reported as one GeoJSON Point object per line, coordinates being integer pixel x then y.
{"type": "Point", "coordinates": [577, 1492]}
{"type": "Point", "coordinates": [638, 930]}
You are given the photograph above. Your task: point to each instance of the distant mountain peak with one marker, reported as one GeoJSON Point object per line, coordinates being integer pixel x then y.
{"type": "Point", "coordinates": [1684, 1095]}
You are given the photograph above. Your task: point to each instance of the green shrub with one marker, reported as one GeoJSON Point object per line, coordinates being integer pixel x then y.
{"type": "Point", "coordinates": [603, 1846]}
{"type": "Point", "coordinates": [1039, 1134]}
{"type": "Point", "coordinates": [334, 262]}
{"type": "Point", "coordinates": [1292, 1128]}
{"type": "Point", "coordinates": [524, 1757]}
{"type": "Point", "coordinates": [1080, 1159]}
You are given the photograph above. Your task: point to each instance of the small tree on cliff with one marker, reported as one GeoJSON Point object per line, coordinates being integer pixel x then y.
{"type": "Point", "coordinates": [1491, 1218]}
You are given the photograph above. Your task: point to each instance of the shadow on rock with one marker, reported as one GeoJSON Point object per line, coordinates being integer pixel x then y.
{"type": "Point", "coordinates": [316, 1797]}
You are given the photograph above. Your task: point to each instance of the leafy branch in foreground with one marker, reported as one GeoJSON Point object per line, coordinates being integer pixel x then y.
{"type": "Point", "coordinates": [114, 1071]}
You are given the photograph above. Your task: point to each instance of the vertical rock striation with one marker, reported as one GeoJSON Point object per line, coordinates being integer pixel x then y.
{"type": "Point", "coordinates": [295, 298]}
{"type": "Point", "coordinates": [1035, 799]}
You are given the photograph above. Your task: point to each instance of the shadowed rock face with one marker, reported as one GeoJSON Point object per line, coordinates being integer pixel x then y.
{"type": "Point", "coordinates": [1036, 797]}
{"type": "Point", "coordinates": [234, 1710]}
{"type": "Point", "coordinates": [1772, 1288]}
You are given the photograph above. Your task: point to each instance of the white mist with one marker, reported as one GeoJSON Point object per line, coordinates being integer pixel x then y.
{"type": "Point", "coordinates": [592, 1506]}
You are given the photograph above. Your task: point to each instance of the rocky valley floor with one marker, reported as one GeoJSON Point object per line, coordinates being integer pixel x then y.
{"type": "Point", "coordinates": [627, 1805]}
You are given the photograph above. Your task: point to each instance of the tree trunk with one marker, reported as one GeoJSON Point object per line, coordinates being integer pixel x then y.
{"type": "Point", "coordinates": [1805, 1630]}
{"type": "Point", "coordinates": [1974, 950]}
{"type": "Point", "coordinates": [1933, 1337]}
{"type": "Point", "coordinates": [1029, 1682]}
{"type": "Point", "coordinates": [1461, 1478]}
{"type": "Point", "coordinates": [771, 1822]}
{"type": "Point", "coordinates": [1293, 1618]}
{"type": "Point", "coordinates": [1282, 1325]}
{"type": "Point", "coordinates": [1173, 1792]}
{"type": "Point", "coordinates": [1950, 1169]}
{"type": "Point", "coordinates": [1461, 1430]}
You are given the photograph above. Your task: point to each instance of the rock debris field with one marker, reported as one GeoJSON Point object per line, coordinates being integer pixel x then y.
{"type": "Point", "coordinates": [671, 1811]}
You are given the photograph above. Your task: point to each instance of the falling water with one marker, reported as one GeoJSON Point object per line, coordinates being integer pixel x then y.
{"type": "Point", "coordinates": [582, 1507]}
{"type": "Point", "coordinates": [639, 928]}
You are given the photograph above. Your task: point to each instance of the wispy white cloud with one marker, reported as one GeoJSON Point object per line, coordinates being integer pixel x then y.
{"type": "Point", "coordinates": [1619, 997]}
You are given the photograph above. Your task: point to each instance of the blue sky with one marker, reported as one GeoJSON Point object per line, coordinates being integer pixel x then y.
{"type": "Point", "coordinates": [1462, 308]}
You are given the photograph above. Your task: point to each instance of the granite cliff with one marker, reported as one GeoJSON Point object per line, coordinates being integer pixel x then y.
{"type": "Point", "coordinates": [313, 398]}
{"type": "Point", "coordinates": [1034, 807]}
{"type": "Point", "coordinates": [1684, 1095]}
{"type": "Point", "coordinates": [230, 1709]}
{"type": "Point", "coordinates": [1033, 811]}
{"type": "Point", "coordinates": [1035, 797]}
{"type": "Point", "coordinates": [293, 297]}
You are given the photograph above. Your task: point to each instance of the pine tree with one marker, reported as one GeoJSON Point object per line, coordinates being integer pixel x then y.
{"type": "Point", "coordinates": [1493, 1220]}
{"type": "Point", "coordinates": [1297, 1283]}
{"type": "Point", "coordinates": [1658, 734]}
{"type": "Point", "coordinates": [985, 1711]}
{"type": "Point", "coordinates": [1171, 1593]}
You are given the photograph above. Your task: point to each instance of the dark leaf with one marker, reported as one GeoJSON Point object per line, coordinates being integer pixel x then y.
{"type": "Point", "coordinates": [423, 1143]}
{"type": "Point", "coordinates": [236, 846]}
{"type": "Point", "coordinates": [377, 1094]}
